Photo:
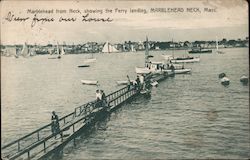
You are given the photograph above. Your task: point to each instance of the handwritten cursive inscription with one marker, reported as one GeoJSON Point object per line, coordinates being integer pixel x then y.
{"type": "Point", "coordinates": [11, 17]}
{"type": "Point", "coordinates": [48, 19]}
{"type": "Point", "coordinates": [86, 18]}
{"type": "Point", "coordinates": [42, 20]}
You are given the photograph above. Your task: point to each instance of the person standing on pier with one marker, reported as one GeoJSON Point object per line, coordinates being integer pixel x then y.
{"type": "Point", "coordinates": [129, 82]}
{"type": "Point", "coordinates": [137, 83]}
{"type": "Point", "coordinates": [98, 98]}
{"type": "Point", "coordinates": [55, 127]}
{"type": "Point", "coordinates": [142, 81]}
{"type": "Point", "coordinates": [104, 99]}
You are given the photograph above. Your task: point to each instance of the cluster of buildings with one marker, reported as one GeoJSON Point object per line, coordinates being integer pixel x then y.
{"type": "Point", "coordinates": [127, 46]}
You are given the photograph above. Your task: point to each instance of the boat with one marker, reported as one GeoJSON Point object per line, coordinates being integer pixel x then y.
{"type": "Point", "coordinates": [148, 68]}
{"type": "Point", "coordinates": [199, 50]}
{"type": "Point", "coordinates": [58, 52]}
{"type": "Point", "coordinates": [85, 65]}
{"type": "Point", "coordinates": [25, 52]}
{"type": "Point", "coordinates": [179, 71]}
{"type": "Point", "coordinates": [221, 75]}
{"type": "Point", "coordinates": [160, 67]}
{"type": "Point", "coordinates": [244, 79]}
{"type": "Point", "coordinates": [108, 48]}
{"type": "Point", "coordinates": [89, 82]}
{"type": "Point", "coordinates": [90, 60]}
{"type": "Point", "coordinates": [185, 60]}
{"type": "Point", "coordinates": [154, 83]}
{"type": "Point", "coordinates": [217, 47]}
{"type": "Point", "coordinates": [225, 81]}
{"type": "Point", "coordinates": [142, 70]}
{"type": "Point", "coordinates": [167, 57]}
{"type": "Point", "coordinates": [146, 93]}
{"type": "Point", "coordinates": [124, 82]}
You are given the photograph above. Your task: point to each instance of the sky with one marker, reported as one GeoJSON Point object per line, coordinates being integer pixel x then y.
{"type": "Point", "coordinates": [230, 20]}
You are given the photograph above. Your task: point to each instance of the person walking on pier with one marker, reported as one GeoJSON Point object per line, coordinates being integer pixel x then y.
{"type": "Point", "coordinates": [55, 127]}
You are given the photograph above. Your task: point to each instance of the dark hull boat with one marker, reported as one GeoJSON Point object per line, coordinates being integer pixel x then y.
{"type": "Point", "coordinates": [200, 51]}
{"type": "Point", "coordinates": [82, 66]}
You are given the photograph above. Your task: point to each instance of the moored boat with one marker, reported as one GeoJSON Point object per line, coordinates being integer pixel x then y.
{"type": "Point", "coordinates": [199, 50]}
{"type": "Point", "coordinates": [89, 82]}
{"type": "Point", "coordinates": [82, 66]}
{"type": "Point", "coordinates": [225, 81]}
{"type": "Point", "coordinates": [244, 79]}
{"type": "Point", "coordinates": [185, 60]}
{"type": "Point", "coordinates": [179, 71]}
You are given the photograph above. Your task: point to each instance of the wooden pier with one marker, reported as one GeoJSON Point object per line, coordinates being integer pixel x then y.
{"type": "Point", "coordinates": [41, 143]}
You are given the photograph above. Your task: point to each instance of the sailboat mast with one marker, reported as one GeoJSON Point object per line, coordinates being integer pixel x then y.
{"type": "Point", "coordinates": [146, 52]}
{"type": "Point", "coordinates": [217, 47]}
{"type": "Point", "coordinates": [173, 48]}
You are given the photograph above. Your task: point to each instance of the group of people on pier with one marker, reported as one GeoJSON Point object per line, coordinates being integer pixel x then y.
{"type": "Point", "coordinates": [101, 100]}
{"type": "Point", "coordinates": [140, 83]}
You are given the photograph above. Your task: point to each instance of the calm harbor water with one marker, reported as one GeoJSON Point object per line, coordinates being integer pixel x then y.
{"type": "Point", "coordinates": [188, 116]}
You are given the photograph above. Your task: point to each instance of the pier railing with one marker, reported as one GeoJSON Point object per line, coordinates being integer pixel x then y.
{"type": "Point", "coordinates": [42, 136]}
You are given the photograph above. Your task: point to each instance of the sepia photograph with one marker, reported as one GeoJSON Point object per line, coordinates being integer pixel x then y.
{"type": "Point", "coordinates": [123, 79]}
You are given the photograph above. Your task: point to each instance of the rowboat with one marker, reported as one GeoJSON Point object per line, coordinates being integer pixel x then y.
{"type": "Point", "coordinates": [85, 65]}
{"type": "Point", "coordinates": [244, 79]}
{"type": "Point", "coordinates": [89, 82]}
{"type": "Point", "coordinates": [125, 82]}
{"type": "Point", "coordinates": [225, 81]}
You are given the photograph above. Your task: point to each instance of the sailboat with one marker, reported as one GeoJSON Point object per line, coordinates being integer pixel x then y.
{"type": "Point", "coordinates": [108, 48]}
{"type": "Point", "coordinates": [133, 48]}
{"type": "Point", "coordinates": [217, 47]}
{"type": "Point", "coordinates": [144, 70]}
{"type": "Point", "coordinates": [58, 52]}
{"type": "Point", "coordinates": [25, 50]}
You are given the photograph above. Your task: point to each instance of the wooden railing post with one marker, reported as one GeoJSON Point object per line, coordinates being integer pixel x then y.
{"type": "Point", "coordinates": [28, 154]}
{"type": "Point", "coordinates": [44, 147]}
{"type": "Point", "coordinates": [18, 146]}
{"type": "Point", "coordinates": [38, 138]}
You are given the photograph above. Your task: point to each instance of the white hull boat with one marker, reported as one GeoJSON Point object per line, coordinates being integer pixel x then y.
{"type": "Point", "coordinates": [179, 71]}
{"type": "Point", "coordinates": [142, 70]}
{"type": "Point", "coordinates": [154, 83]}
{"type": "Point", "coordinates": [168, 57]}
{"type": "Point", "coordinates": [89, 82]}
{"type": "Point", "coordinates": [191, 60]}
{"type": "Point", "coordinates": [244, 79]}
{"type": "Point", "coordinates": [122, 82]}
{"type": "Point", "coordinates": [90, 60]}
{"type": "Point", "coordinates": [125, 82]}
{"type": "Point", "coordinates": [225, 81]}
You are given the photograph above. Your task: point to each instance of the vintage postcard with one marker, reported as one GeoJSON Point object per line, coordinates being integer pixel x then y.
{"type": "Point", "coordinates": [161, 79]}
